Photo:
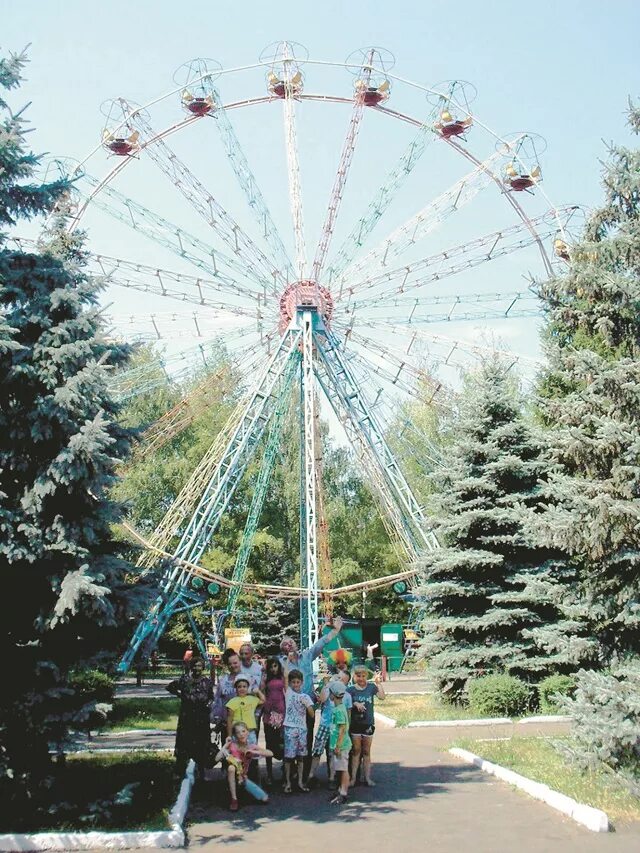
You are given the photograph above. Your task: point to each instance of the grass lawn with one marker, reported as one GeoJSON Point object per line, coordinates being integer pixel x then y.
{"type": "Point", "coordinates": [539, 760]}
{"type": "Point", "coordinates": [125, 791]}
{"type": "Point", "coordinates": [144, 714]}
{"type": "Point", "coordinates": [408, 709]}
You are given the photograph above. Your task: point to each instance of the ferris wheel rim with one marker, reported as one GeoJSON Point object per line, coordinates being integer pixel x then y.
{"type": "Point", "coordinates": [314, 98]}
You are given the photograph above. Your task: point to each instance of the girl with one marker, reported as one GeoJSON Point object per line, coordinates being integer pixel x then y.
{"type": "Point", "coordinates": [362, 726]}
{"type": "Point", "coordinates": [273, 712]}
{"type": "Point", "coordinates": [239, 755]}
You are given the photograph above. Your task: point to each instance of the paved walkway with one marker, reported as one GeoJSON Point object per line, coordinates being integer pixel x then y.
{"type": "Point", "coordinates": [425, 800]}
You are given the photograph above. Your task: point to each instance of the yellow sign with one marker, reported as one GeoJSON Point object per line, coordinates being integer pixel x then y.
{"type": "Point", "coordinates": [236, 637]}
{"type": "Point", "coordinates": [213, 651]}
{"type": "Point", "coordinates": [410, 635]}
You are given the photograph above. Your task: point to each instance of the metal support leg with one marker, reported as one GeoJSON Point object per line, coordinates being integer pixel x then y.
{"type": "Point", "coordinates": [308, 496]}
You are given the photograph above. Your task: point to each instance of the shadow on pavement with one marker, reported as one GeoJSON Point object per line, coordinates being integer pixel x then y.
{"type": "Point", "coordinates": [396, 783]}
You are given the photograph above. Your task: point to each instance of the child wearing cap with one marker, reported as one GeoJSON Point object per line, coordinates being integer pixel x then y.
{"type": "Point", "coordinates": [339, 741]}
{"type": "Point", "coordinates": [242, 708]}
{"type": "Point", "coordinates": [321, 741]}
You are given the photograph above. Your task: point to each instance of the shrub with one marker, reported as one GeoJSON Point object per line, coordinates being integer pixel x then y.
{"type": "Point", "coordinates": [553, 687]}
{"type": "Point", "coordinates": [606, 722]}
{"type": "Point", "coordinates": [92, 684]}
{"type": "Point", "coordinates": [498, 695]}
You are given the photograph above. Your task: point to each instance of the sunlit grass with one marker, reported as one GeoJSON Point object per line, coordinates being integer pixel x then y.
{"type": "Point", "coordinates": [144, 714]}
{"type": "Point", "coordinates": [409, 709]}
{"type": "Point", "coordinates": [539, 760]}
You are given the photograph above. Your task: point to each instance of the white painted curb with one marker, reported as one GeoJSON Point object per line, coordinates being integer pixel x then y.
{"type": "Point", "coordinates": [594, 819]}
{"type": "Point", "coordinates": [546, 718]}
{"type": "Point", "coordinates": [173, 837]}
{"type": "Point", "coordinates": [488, 721]}
{"type": "Point", "coordinates": [384, 721]}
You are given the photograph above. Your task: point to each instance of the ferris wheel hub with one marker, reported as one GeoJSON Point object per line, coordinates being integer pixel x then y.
{"type": "Point", "coordinates": [304, 294]}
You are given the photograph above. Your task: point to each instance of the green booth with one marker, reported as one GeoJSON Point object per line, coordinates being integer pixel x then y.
{"type": "Point", "coordinates": [392, 645]}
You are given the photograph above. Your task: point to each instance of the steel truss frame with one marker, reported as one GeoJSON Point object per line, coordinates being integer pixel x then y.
{"type": "Point", "coordinates": [309, 349]}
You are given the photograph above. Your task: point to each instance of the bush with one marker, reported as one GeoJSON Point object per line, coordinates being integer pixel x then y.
{"type": "Point", "coordinates": [606, 723]}
{"type": "Point", "coordinates": [499, 695]}
{"type": "Point", "coordinates": [92, 685]}
{"type": "Point", "coordinates": [553, 687]}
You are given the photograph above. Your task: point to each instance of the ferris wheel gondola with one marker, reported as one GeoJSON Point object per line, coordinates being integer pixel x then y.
{"type": "Point", "coordinates": [350, 325]}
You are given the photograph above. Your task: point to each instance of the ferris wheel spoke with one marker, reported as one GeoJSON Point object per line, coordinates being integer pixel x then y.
{"type": "Point", "coordinates": [220, 382]}
{"type": "Point", "coordinates": [246, 180]}
{"type": "Point", "coordinates": [250, 258]}
{"type": "Point", "coordinates": [427, 219]}
{"type": "Point", "coordinates": [173, 285]}
{"type": "Point", "coordinates": [400, 371]}
{"type": "Point", "coordinates": [459, 258]}
{"type": "Point", "coordinates": [381, 201]}
{"type": "Point", "coordinates": [164, 369]}
{"type": "Point", "coordinates": [346, 156]}
{"type": "Point", "coordinates": [454, 308]}
{"type": "Point", "coordinates": [438, 347]}
{"type": "Point", "coordinates": [160, 230]}
{"type": "Point", "coordinates": [291, 83]}
{"type": "Point", "coordinates": [166, 325]}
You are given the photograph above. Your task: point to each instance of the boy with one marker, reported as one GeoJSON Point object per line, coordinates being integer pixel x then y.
{"type": "Point", "coordinates": [362, 726]}
{"type": "Point", "coordinates": [239, 754]}
{"type": "Point", "coordinates": [322, 735]}
{"type": "Point", "coordinates": [242, 708]}
{"type": "Point", "coordinates": [298, 706]}
{"type": "Point", "coordinates": [339, 741]}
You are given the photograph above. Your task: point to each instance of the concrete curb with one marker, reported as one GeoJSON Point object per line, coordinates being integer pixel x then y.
{"type": "Point", "coordinates": [546, 718]}
{"type": "Point", "coordinates": [173, 837]}
{"type": "Point", "coordinates": [593, 819]}
{"type": "Point", "coordinates": [488, 721]}
{"type": "Point", "coordinates": [384, 721]}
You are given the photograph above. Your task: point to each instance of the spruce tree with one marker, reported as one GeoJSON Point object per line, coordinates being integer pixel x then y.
{"type": "Point", "coordinates": [63, 584]}
{"type": "Point", "coordinates": [489, 591]}
{"type": "Point", "coordinates": [591, 401]}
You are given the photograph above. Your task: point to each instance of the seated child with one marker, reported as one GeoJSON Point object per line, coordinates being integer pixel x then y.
{"type": "Point", "coordinates": [339, 741]}
{"type": "Point", "coordinates": [362, 726]}
{"type": "Point", "coordinates": [297, 706]}
{"type": "Point", "coordinates": [321, 741]}
{"type": "Point", "coordinates": [239, 754]}
{"type": "Point", "coordinates": [242, 708]}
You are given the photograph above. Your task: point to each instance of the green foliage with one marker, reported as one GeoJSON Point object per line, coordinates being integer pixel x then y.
{"type": "Point", "coordinates": [92, 684]}
{"type": "Point", "coordinates": [552, 687]}
{"type": "Point", "coordinates": [606, 722]}
{"type": "Point", "coordinates": [492, 596]}
{"type": "Point", "coordinates": [86, 792]}
{"type": "Point", "coordinates": [499, 695]}
{"type": "Point", "coordinates": [590, 402]}
{"type": "Point", "coordinates": [64, 582]}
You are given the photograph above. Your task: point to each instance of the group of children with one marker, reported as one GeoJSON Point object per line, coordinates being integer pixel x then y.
{"type": "Point", "coordinates": [345, 730]}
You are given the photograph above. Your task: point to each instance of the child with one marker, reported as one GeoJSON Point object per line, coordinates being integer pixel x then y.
{"type": "Point", "coordinates": [339, 741]}
{"type": "Point", "coordinates": [242, 708]}
{"type": "Point", "coordinates": [322, 735]}
{"type": "Point", "coordinates": [295, 728]}
{"type": "Point", "coordinates": [273, 712]}
{"type": "Point", "coordinates": [239, 754]}
{"type": "Point", "coordinates": [362, 725]}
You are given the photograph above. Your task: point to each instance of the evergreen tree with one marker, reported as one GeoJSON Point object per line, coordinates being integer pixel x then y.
{"type": "Point", "coordinates": [63, 583]}
{"type": "Point", "coordinates": [489, 591]}
{"type": "Point", "coordinates": [591, 402]}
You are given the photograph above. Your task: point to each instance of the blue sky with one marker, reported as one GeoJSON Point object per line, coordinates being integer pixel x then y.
{"type": "Point", "coordinates": [563, 70]}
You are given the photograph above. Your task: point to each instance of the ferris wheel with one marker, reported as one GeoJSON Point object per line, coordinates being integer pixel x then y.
{"type": "Point", "coordinates": [423, 223]}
